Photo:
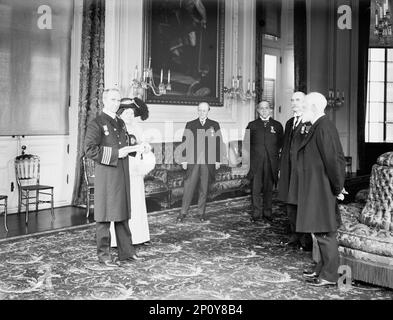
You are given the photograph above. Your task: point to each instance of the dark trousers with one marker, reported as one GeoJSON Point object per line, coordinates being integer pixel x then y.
{"type": "Point", "coordinates": [199, 172]}
{"type": "Point", "coordinates": [262, 180]}
{"type": "Point", "coordinates": [327, 267]}
{"type": "Point", "coordinates": [304, 239]}
{"type": "Point", "coordinates": [123, 239]}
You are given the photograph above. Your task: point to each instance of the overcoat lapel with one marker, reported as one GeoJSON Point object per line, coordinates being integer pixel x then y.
{"type": "Point", "coordinates": [310, 133]}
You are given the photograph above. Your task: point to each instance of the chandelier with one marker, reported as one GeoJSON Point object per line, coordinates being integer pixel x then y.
{"type": "Point", "coordinates": [146, 82]}
{"type": "Point", "coordinates": [383, 25]}
{"type": "Point", "coordinates": [236, 90]}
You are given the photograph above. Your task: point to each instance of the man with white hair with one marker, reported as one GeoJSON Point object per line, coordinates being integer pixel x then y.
{"type": "Point", "coordinates": [321, 173]}
{"type": "Point", "coordinates": [288, 173]}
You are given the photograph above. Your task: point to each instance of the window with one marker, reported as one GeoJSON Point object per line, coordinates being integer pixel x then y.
{"type": "Point", "coordinates": [379, 113]}
{"type": "Point", "coordinates": [269, 76]}
{"type": "Point", "coordinates": [34, 67]}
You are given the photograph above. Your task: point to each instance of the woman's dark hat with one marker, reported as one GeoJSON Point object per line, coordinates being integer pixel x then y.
{"type": "Point", "coordinates": [139, 106]}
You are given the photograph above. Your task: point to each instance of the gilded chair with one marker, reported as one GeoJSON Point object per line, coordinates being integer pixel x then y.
{"type": "Point", "coordinates": [27, 172]}
{"type": "Point", "coordinates": [3, 200]}
{"type": "Point", "coordinates": [88, 169]}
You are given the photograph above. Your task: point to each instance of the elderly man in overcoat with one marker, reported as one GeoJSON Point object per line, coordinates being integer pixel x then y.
{"type": "Point", "coordinates": [106, 143]}
{"type": "Point", "coordinates": [292, 139]}
{"type": "Point", "coordinates": [321, 175]}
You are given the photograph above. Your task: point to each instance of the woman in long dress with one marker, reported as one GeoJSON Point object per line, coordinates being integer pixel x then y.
{"type": "Point", "coordinates": [140, 163]}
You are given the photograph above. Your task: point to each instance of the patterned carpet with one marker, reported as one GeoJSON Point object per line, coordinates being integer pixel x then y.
{"type": "Point", "coordinates": [225, 258]}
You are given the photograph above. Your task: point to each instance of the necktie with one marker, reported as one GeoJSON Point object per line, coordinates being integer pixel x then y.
{"type": "Point", "coordinates": [202, 123]}
{"type": "Point", "coordinates": [295, 122]}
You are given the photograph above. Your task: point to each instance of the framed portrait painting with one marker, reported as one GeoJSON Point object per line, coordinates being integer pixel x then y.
{"type": "Point", "coordinates": [184, 46]}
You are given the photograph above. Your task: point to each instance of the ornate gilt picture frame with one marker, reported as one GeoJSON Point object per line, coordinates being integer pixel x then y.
{"type": "Point", "coordinates": [184, 46]}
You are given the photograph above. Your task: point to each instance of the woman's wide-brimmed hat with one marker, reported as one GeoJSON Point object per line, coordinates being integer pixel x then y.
{"type": "Point", "coordinates": [139, 106]}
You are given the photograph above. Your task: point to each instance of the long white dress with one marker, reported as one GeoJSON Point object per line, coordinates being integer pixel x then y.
{"type": "Point", "coordinates": [139, 167]}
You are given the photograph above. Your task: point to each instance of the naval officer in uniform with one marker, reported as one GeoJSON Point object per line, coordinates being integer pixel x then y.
{"type": "Point", "coordinates": [106, 143]}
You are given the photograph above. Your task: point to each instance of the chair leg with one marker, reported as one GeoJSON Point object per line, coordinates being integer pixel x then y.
{"type": "Point", "coordinates": [27, 206]}
{"type": "Point", "coordinates": [169, 199]}
{"type": "Point", "coordinates": [51, 205]}
{"type": "Point", "coordinates": [5, 215]}
{"type": "Point", "coordinates": [19, 200]}
{"type": "Point", "coordinates": [37, 199]}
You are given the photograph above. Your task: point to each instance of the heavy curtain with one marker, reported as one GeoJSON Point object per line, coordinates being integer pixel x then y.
{"type": "Point", "coordinates": [258, 54]}
{"type": "Point", "coordinates": [364, 32]}
{"type": "Point", "coordinates": [300, 45]}
{"type": "Point", "coordinates": [91, 83]}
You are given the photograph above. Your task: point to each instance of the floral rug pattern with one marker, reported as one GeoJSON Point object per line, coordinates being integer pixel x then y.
{"type": "Point", "coordinates": [226, 258]}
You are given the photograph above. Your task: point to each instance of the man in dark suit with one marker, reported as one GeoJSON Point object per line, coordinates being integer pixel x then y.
{"type": "Point", "coordinates": [321, 175]}
{"type": "Point", "coordinates": [288, 173]}
{"type": "Point", "coordinates": [264, 137]}
{"type": "Point", "coordinates": [106, 144]}
{"type": "Point", "coordinates": [203, 145]}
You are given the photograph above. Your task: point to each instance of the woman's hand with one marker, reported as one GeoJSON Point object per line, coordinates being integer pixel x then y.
{"type": "Point", "coordinates": [146, 147]}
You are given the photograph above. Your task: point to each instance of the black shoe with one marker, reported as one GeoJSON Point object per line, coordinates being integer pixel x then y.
{"type": "Point", "coordinates": [293, 242]}
{"type": "Point", "coordinates": [310, 274]}
{"type": "Point", "coordinates": [109, 263]}
{"type": "Point", "coordinates": [135, 257]}
{"type": "Point", "coordinates": [306, 248]}
{"type": "Point", "coordinates": [318, 282]}
{"type": "Point", "coordinates": [255, 219]}
{"type": "Point", "coordinates": [132, 258]}
{"type": "Point", "coordinates": [268, 218]}
{"type": "Point", "coordinates": [180, 218]}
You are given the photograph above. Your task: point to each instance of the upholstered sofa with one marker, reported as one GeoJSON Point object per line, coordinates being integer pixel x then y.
{"type": "Point", "coordinates": [366, 235]}
{"type": "Point", "coordinates": [165, 182]}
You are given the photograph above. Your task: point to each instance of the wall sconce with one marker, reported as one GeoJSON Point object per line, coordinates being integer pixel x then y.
{"type": "Point", "coordinates": [147, 82]}
{"type": "Point", "coordinates": [334, 99]}
{"type": "Point", "coordinates": [236, 89]}
{"type": "Point", "coordinates": [383, 25]}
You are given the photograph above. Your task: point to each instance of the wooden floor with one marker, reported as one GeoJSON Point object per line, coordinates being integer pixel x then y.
{"type": "Point", "coordinates": [42, 221]}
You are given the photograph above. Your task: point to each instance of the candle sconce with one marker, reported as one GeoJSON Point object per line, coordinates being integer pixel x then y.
{"type": "Point", "coordinates": [147, 82]}
{"type": "Point", "coordinates": [382, 25]}
{"type": "Point", "coordinates": [335, 99]}
{"type": "Point", "coordinates": [236, 89]}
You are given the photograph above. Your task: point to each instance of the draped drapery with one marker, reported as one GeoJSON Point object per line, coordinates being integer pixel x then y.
{"type": "Point", "coordinates": [258, 54]}
{"type": "Point", "coordinates": [364, 32]}
{"type": "Point", "coordinates": [300, 45]}
{"type": "Point", "coordinates": [91, 83]}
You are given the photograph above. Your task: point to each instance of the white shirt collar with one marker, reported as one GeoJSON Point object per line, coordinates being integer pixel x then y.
{"type": "Point", "coordinates": [109, 113]}
{"type": "Point", "coordinates": [264, 119]}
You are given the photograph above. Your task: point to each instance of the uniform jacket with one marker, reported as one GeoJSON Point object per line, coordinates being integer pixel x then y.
{"type": "Point", "coordinates": [104, 138]}
{"type": "Point", "coordinates": [321, 172]}
{"type": "Point", "coordinates": [203, 144]}
{"type": "Point", "coordinates": [264, 141]}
